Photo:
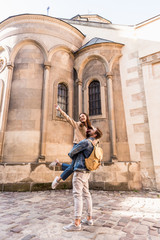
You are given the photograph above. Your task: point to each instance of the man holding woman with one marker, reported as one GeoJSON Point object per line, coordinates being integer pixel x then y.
{"type": "Point", "coordinates": [82, 149]}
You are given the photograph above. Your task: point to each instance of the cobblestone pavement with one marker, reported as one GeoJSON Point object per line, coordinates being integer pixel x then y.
{"type": "Point", "coordinates": [42, 215]}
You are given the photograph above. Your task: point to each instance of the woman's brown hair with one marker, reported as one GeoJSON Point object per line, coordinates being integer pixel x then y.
{"type": "Point", "coordinates": [89, 126]}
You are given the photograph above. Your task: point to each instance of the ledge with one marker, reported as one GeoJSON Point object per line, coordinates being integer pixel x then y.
{"type": "Point", "coordinates": [113, 176]}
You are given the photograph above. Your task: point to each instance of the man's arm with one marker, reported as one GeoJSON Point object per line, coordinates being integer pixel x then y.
{"type": "Point", "coordinates": [78, 148]}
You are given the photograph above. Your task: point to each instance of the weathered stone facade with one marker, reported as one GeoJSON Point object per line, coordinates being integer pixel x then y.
{"type": "Point", "coordinates": [39, 52]}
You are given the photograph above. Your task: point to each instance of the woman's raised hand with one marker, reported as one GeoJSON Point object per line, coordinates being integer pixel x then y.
{"type": "Point", "coordinates": [57, 106]}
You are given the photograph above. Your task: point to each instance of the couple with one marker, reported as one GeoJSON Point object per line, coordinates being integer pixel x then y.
{"type": "Point", "coordinates": [82, 149]}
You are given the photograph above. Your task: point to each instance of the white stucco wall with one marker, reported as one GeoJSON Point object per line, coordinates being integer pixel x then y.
{"type": "Point", "coordinates": [140, 87]}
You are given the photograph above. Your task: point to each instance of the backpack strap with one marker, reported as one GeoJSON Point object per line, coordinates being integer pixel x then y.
{"type": "Point", "coordinates": [90, 141]}
{"type": "Point", "coordinates": [94, 144]}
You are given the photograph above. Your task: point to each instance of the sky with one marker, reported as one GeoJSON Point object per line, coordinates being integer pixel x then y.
{"type": "Point", "coordinates": [125, 12]}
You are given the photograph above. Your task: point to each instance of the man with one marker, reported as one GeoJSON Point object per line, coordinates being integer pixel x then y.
{"type": "Point", "coordinates": [80, 179]}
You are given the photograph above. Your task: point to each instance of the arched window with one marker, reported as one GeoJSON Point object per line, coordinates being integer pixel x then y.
{"type": "Point", "coordinates": [62, 97]}
{"type": "Point", "coordinates": [94, 98]}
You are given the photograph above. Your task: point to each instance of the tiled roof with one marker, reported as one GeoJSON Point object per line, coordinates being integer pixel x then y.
{"type": "Point", "coordinates": [95, 41]}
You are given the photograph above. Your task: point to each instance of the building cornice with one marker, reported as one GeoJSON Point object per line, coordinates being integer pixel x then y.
{"type": "Point", "coordinates": [97, 24]}
{"type": "Point", "coordinates": [38, 17]}
{"type": "Point", "coordinates": [150, 20]}
{"type": "Point", "coordinates": [97, 45]}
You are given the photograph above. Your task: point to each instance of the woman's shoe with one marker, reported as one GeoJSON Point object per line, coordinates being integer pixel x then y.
{"type": "Point", "coordinates": [53, 164]}
{"type": "Point", "coordinates": [55, 182]}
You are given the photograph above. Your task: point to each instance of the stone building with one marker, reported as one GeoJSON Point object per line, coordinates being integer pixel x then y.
{"type": "Point", "coordinates": [85, 64]}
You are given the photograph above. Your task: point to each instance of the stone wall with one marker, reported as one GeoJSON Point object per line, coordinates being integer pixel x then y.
{"type": "Point", "coordinates": [32, 177]}
{"type": "Point", "coordinates": [22, 135]}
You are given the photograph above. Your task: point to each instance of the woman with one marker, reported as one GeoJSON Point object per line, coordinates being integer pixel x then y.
{"type": "Point", "coordinates": [80, 129]}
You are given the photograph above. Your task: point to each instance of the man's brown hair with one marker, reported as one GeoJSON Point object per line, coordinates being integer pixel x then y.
{"type": "Point", "coordinates": [98, 133]}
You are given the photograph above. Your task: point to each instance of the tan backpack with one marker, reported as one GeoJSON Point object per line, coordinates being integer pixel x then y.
{"type": "Point", "coordinates": [94, 160]}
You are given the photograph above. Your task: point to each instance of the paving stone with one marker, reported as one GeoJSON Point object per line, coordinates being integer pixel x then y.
{"type": "Point", "coordinates": [128, 229]}
{"type": "Point", "coordinates": [147, 223]}
{"type": "Point", "coordinates": [122, 224]}
{"type": "Point", "coordinates": [141, 230]}
{"type": "Point", "coordinates": [154, 238]}
{"type": "Point", "coordinates": [42, 215]}
{"type": "Point", "coordinates": [108, 225]}
{"type": "Point", "coordinates": [126, 238]}
{"type": "Point", "coordinates": [157, 225]}
{"type": "Point", "coordinates": [136, 219]}
{"type": "Point", "coordinates": [149, 220]}
{"type": "Point", "coordinates": [24, 222]}
{"type": "Point", "coordinates": [142, 238]}
{"type": "Point", "coordinates": [16, 229]}
{"type": "Point", "coordinates": [28, 237]}
{"type": "Point", "coordinates": [153, 232]}
{"type": "Point", "coordinates": [129, 235]}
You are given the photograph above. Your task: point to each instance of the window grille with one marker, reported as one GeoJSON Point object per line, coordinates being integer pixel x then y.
{"type": "Point", "coordinates": [62, 100]}
{"type": "Point", "coordinates": [94, 98]}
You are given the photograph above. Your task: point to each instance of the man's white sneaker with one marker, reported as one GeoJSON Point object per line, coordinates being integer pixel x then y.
{"type": "Point", "coordinates": [72, 227]}
{"type": "Point", "coordinates": [55, 182]}
{"type": "Point", "coordinates": [87, 222]}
